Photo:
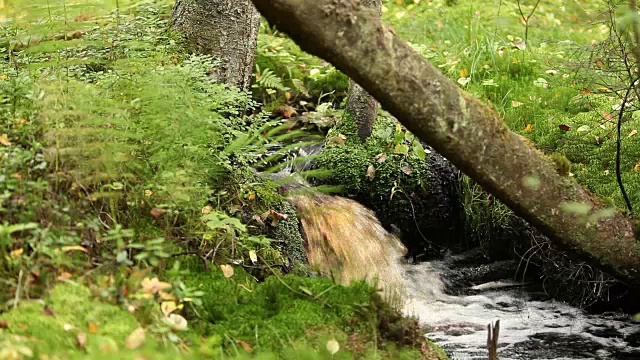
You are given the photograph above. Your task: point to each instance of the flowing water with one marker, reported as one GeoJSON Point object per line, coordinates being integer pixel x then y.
{"type": "Point", "coordinates": [346, 240]}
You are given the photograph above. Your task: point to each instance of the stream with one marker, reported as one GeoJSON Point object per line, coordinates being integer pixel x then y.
{"type": "Point", "coordinates": [529, 328]}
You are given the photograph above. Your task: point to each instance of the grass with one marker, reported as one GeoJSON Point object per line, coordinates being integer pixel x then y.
{"type": "Point", "coordinates": [537, 89]}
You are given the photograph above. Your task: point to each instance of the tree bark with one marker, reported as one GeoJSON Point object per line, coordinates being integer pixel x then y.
{"type": "Point", "coordinates": [226, 29]}
{"type": "Point", "coordinates": [362, 108]}
{"type": "Point", "coordinates": [469, 133]}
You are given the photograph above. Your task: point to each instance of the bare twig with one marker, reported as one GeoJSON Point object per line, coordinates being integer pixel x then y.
{"type": "Point", "coordinates": [618, 149]}
{"type": "Point", "coordinates": [526, 18]}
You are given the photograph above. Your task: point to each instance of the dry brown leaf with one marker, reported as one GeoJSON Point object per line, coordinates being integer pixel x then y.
{"type": "Point", "coordinates": [245, 345]}
{"type": "Point", "coordinates": [380, 158]}
{"type": "Point", "coordinates": [4, 324]}
{"type": "Point", "coordinates": [637, 167]}
{"type": "Point", "coordinates": [135, 339]}
{"type": "Point", "coordinates": [16, 176]}
{"type": "Point", "coordinates": [407, 170]}
{"type": "Point", "coordinates": [285, 111]}
{"type": "Point", "coordinates": [227, 270]}
{"type": "Point", "coordinates": [156, 212]}
{"type": "Point", "coordinates": [64, 276]}
{"type": "Point", "coordinates": [371, 172]}
{"type": "Point", "coordinates": [564, 127]}
{"type": "Point", "coordinates": [607, 116]}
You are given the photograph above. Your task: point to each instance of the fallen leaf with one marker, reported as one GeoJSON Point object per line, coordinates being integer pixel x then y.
{"type": "Point", "coordinates": [607, 116]}
{"type": "Point", "coordinates": [519, 44]}
{"type": "Point", "coordinates": [227, 270]}
{"type": "Point", "coordinates": [81, 340]}
{"type": "Point", "coordinates": [252, 196]}
{"type": "Point", "coordinates": [407, 170]}
{"type": "Point", "coordinates": [207, 210]}
{"type": "Point", "coordinates": [464, 73]}
{"type": "Point", "coordinates": [253, 256]}
{"type": "Point", "coordinates": [67, 327]}
{"type": "Point", "coordinates": [380, 158]}
{"type": "Point", "coordinates": [528, 128]}
{"type": "Point", "coordinates": [16, 176]}
{"type": "Point", "coordinates": [167, 307]}
{"type": "Point", "coordinates": [632, 133]}
{"type": "Point", "coordinates": [4, 324]}
{"type": "Point", "coordinates": [333, 346]}
{"type": "Point", "coordinates": [64, 276]}
{"type": "Point", "coordinates": [564, 127]}
{"type": "Point", "coordinates": [156, 212]}
{"type": "Point", "coordinates": [74, 248]}
{"type": "Point", "coordinates": [135, 339]}
{"type": "Point", "coordinates": [153, 286]}
{"type": "Point", "coordinates": [176, 322]}
{"type": "Point", "coordinates": [14, 254]}
{"type": "Point", "coordinates": [92, 326]}
{"type": "Point", "coordinates": [339, 139]}
{"type": "Point", "coordinates": [597, 138]}
{"type": "Point", "coordinates": [285, 111]}
{"type": "Point", "coordinates": [4, 140]}
{"type": "Point", "coordinates": [516, 104]}
{"type": "Point", "coordinates": [245, 345]}
{"type": "Point", "coordinates": [371, 172]}
{"type": "Point", "coordinates": [637, 167]}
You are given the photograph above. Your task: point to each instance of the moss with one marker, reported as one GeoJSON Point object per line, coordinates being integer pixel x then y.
{"type": "Point", "coordinates": [283, 312]}
{"type": "Point", "coordinates": [288, 232]}
{"type": "Point", "coordinates": [282, 318]}
{"type": "Point", "coordinates": [562, 164]}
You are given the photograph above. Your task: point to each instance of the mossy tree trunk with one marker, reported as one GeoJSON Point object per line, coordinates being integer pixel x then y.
{"type": "Point", "coordinates": [460, 127]}
{"type": "Point", "coordinates": [362, 107]}
{"type": "Point", "coordinates": [226, 29]}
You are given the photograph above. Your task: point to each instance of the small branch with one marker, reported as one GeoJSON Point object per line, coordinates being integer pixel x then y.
{"type": "Point", "coordinates": [526, 18]}
{"type": "Point", "coordinates": [618, 149]}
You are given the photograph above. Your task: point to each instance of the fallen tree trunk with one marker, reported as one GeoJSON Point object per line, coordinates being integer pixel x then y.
{"type": "Point", "coordinates": [460, 127]}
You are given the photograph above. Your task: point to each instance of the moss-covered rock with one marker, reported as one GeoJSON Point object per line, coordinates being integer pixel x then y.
{"type": "Point", "coordinates": [409, 186]}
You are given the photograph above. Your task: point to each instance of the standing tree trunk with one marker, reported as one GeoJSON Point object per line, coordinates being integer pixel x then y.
{"type": "Point", "coordinates": [362, 107]}
{"type": "Point", "coordinates": [226, 29]}
{"type": "Point", "coordinates": [463, 129]}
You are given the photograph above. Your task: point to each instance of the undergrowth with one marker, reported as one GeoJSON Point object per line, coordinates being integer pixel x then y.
{"type": "Point", "coordinates": [121, 161]}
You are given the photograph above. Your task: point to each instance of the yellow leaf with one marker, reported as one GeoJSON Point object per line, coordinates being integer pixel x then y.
{"type": "Point", "coordinates": [3, 77]}
{"type": "Point", "coordinates": [153, 286]}
{"type": "Point", "coordinates": [633, 132]}
{"type": "Point", "coordinates": [4, 140]}
{"type": "Point", "coordinates": [516, 104]}
{"type": "Point", "coordinates": [528, 128]}
{"type": "Point", "coordinates": [16, 253]}
{"type": "Point", "coordinates": [93, 327]}
{"type": "Point", "coordinates": [227, 270]}
{"type": "Point", "coordinates": [168, 307]}
{"type": "Point", "coordinates": [464, 73]}
{"type": "Point", "coordinates": [207, 210]}
{"type": "Point", "coordinates": [637, 167]}
{"type": "Point", "coordinates": [74, 247]}
{"type": "Point", "coordinates": [135, 339]}
{"type": "Point", "coordinates": [253, 256]}
{"type": "Point", "coordinates": [252, 196]}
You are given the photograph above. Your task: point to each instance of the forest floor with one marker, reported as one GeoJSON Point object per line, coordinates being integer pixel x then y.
{"type": "Point", "coordinates": [119, 160]}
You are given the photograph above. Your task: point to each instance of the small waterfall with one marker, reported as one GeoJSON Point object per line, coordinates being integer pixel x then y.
{"type": "Point", "coordinates": [346, 240]}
